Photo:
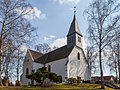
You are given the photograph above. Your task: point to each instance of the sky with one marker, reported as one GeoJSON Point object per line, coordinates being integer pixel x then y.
{"type": "Point", "coordinates": [52, 18]}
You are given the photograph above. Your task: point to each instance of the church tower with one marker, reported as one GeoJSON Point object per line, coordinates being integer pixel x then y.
{"type": "Point", "coordinates": [74, 36]}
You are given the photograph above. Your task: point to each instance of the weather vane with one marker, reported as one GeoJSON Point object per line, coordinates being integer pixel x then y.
{"type": "Point", "coordinates": [74, 9]}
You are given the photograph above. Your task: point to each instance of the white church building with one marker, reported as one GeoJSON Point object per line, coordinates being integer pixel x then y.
{"type": "Point", "coordinates": [68, 61]}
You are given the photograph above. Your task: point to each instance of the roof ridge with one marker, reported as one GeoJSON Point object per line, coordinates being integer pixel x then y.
{"type": "Point", "coordinates": [35, 51]}
{"type": "Point", "coordinates": [56, 49]}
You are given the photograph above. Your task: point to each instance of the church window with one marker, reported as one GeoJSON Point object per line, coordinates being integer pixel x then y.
{"type": "Point", "coordinates": [33, 71]}
{"type": "Point", "coordinates": [49, 68]}
{"type": "Point", "coordinates": [27, 60]}
{"type": "Point", "coordinates": [79, 39]}
{"type": "Point", "coordinates": [66, 62]}
{"type": "Point", "coordinates": [27, 71]}
{"type": "Point", "coordinates": [78, 56]}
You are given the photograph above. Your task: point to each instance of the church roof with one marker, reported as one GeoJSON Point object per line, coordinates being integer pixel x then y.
{"type": "Point", "coordinates": [74, 27]}
{"type": "Point", "coordinates": [35, 54]}
{"type": "Point", "coordinates": [57, 54]}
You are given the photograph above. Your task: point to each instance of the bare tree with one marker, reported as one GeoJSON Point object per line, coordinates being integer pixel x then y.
{"type": "Point", "coordinates": [13, 25]}
{"type": "Point", "coordinates": [43, 48]}
{"type": "Point", "coordinates": [114, 57]}
{"type": "Point", "coordinates": [113, 64]}
{"type": "Point", "coordinates": [91, 56]}
{"type": "Point", "coordinates": [104, 20]}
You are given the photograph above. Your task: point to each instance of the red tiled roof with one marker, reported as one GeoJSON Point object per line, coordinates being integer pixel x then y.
{"type": "Point", "coordinates": [35, 54]}
{"type": "Point", "coordinates": [97, 78]}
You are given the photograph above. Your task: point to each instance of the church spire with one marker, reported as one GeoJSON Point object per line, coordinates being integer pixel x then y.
{"type": "Point", "coordinates": [74, 28]}
{"type": "Point", "coordinates": [74, 36]}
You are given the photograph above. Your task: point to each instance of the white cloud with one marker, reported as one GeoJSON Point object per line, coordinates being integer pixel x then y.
{"type": "Point", "coordinates": [33, 14]}
{"type": "Point", "coordinates": [36, 13]}
{"type": "Point", "coordinates": [67, 1]}
{"type": "Point", "coordinates": [23, 48]}
{"type": "Point", "coordinates": [48, 38]}
{"type": "Point", "coordinates": [59, 42]}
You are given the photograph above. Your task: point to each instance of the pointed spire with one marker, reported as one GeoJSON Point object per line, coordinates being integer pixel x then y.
{"type": "Point", "coordinates": [74, 28]}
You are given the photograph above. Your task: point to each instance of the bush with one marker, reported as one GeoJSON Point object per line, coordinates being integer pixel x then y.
{"type": "Point", "coordinates": [88, 81]}
{"type": "Point", "coordinates": [59, 79]}
{"type": "Point", "coordinates": [52, 77]}
{"type": "Point", "coordinates": [43, 70]}
{"type": "Point", "coordinates": [17, 83]}
{"type": "Point", "coordinates": [10, 84]}
{"type": "Point", "coordinates": [41, 74]}
{"type": "Point", "coordinates": [5, 81]}
{"type": "Point", "coordinates": [71, 80]}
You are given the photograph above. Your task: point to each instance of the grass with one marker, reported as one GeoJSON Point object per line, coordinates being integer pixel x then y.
{"type": "Point", "coordinates": [57, 87]}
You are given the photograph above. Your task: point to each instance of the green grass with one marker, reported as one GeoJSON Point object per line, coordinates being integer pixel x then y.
{"type": "Point", "coordinates": [58, 87]}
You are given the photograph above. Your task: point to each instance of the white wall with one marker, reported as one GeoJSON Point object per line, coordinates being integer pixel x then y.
{"type": "Point", "coordinates": [58, 67]}
{"type": "Point", "coordinates": [77, 67]}
{"type": "Point", "coordinates": [37, 66]}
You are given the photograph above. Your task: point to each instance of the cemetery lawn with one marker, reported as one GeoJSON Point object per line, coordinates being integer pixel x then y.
{"type": "Point", "coordinates": [57, 86]}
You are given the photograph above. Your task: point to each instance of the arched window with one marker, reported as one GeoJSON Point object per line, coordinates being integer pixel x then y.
{"type": "Point", "coordinates": [27, 60]}
{"type": "Point", "coordinates": [27, 71]}
{"type": "Point", "coordinates": [49, 68]}
{"type": "Point", "coordinates": [79, 39]}
{"type": "Point", "coordinates": [78, 56]}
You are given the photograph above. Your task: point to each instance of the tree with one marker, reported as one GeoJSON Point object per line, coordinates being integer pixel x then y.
{"type": "Point", "coordinates": [103, 21]}
{"type": "Point", "coordinates": [91, 56]}
{"type": "Point", "coordinates": [13, 25]}
{"type": "Point", "coordinates": [114, 57]}
{"type": "Point", "coordinates": [42, 73]}
{"type": "Point", "coordinates": [43, 48]}
{"type": "Point", "coordinates": [113, 64]}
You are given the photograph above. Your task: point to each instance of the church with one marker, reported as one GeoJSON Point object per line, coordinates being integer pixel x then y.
{"type": "Point", "coordinates": [68, 61]}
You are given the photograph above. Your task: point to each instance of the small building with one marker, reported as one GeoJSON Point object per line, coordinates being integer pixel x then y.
{"type": "Point", "coordinates": [68, 61]}
{"type": "Point", "coordinates": [97, 79]}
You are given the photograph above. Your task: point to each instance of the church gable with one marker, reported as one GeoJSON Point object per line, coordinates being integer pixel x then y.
{"type": "Point", "coordinates": [77, 64]}
{"type": "Point", "coordinates": [28, 57]}
{"type": "Point", "coordinates": [77, 54]}
{"type": "Point", "coordinates": [35, 54]}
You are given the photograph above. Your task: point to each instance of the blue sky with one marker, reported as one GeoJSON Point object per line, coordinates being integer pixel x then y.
{"type": "Point", "coordinates": [53, 19]}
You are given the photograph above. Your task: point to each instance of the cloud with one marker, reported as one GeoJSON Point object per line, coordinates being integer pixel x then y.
{"type": "Point", "coordinates": [33, 14]}
{"type": "Point", "coordinates": [36, 13]}
{"type": "Point", "coordinates": [48, 38]}
{"type": "Point", "coordinates": [23, 48]}
{"type": "Point", "coordinates": [67, 1]}
{"type": "Point", "coordinates": [59, 42]}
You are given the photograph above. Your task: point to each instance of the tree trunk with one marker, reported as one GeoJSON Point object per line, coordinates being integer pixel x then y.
{"type": "Point", "coordinates": [6, 72]}
{"type": "Point", "coordinates": [0, 61]}
{"type": "Point", "coordinates": [18, 66]}
{"type": "Point", "coordinates": [116, 72]}
{"type": "Point", "coordinates": [101, 71]}
{"type": "Point", "coordinates": [100, 61]}
{"type": "Point", "coordinates": [118, 57]}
